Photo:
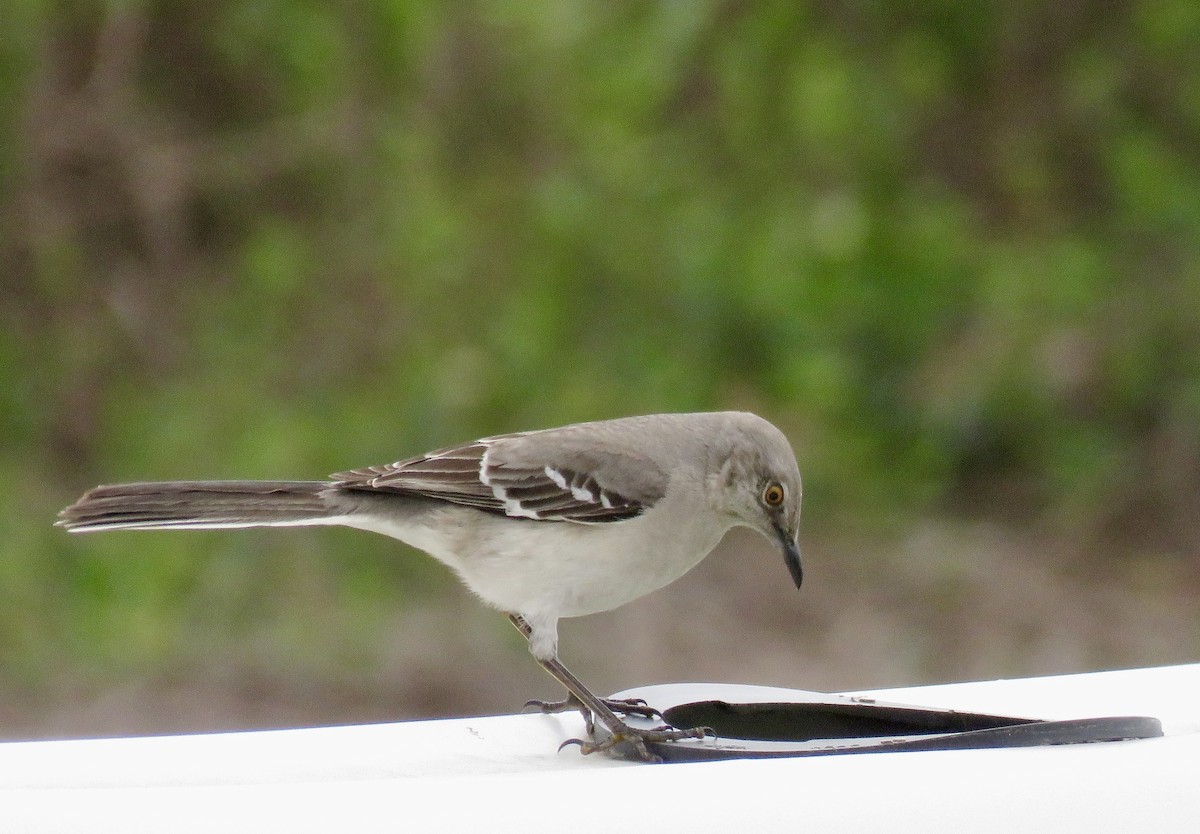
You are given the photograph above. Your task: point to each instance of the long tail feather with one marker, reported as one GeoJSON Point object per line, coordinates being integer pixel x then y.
{"type": "Point", "coordinates": [198, 504]}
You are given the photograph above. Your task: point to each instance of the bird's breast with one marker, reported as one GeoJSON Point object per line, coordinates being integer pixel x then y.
{"type": "Point", "coordinates": [568, 569]}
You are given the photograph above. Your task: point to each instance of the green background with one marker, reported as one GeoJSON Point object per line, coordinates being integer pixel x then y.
{"type": "Point", "coordinates": [951, 249]}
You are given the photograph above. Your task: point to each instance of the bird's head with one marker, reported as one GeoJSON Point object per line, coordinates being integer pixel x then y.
{"type": "Point", "coordinates": [757, 482]}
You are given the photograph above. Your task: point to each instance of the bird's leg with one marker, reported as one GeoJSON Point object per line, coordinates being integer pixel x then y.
{"type": "Point", "coordinates": [597, 709]}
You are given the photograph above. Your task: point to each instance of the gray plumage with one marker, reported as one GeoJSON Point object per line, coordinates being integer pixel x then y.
{"type": "Point", "coordinates": [542, 525]}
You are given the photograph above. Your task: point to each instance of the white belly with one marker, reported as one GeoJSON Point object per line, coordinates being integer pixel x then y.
{"type": "Point", "coordinates": [554, 569]}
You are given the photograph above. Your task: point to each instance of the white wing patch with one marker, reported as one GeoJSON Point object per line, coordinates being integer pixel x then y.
{"type": "Point", "coordinates": [580, 493]}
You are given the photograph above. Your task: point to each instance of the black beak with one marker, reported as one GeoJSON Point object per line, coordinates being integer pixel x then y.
{"type": "Point", "coordinates": [791, 554]}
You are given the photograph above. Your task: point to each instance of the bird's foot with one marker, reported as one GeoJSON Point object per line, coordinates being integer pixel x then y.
{"type": "Point", "coordinates": [631, 742]}
{"type": "Point", "coordinates": [620, 706]}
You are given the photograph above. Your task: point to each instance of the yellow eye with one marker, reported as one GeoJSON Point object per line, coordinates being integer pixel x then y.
{"type": "Point", "coordinates": [773, 495]}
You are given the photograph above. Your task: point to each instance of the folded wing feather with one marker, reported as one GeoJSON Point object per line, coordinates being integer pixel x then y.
{"type": "Point", "coordinates": [483, 475]}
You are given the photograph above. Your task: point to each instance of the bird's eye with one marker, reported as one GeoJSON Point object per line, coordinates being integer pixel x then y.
{"type": "Point", "coordinates": [773, 495]}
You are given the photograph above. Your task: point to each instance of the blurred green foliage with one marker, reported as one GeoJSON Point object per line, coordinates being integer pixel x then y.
{"type": "Point", "coordinates": [952, 249]}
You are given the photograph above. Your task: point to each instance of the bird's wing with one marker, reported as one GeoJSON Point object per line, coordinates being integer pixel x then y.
{"type": "Point", "coordinates": [533, 475]}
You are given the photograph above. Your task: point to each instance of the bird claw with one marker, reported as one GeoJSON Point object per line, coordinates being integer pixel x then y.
{"type": "Point", "coordinates": [632, 706]}
{"type": "Point", "coordinates": [548, 707]}
{"type": "Point", "coordinates": [585, 747]}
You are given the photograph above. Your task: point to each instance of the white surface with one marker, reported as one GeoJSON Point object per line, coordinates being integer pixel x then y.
{"type": "Point", "coordinates": [503, 774]}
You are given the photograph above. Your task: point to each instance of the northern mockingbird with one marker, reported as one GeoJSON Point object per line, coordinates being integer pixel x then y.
{"type": "Point", "coordinates": [541, 525]}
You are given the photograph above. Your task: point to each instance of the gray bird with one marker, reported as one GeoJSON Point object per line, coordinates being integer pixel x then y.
{"type": "Point", "coordinates": [540, 525]}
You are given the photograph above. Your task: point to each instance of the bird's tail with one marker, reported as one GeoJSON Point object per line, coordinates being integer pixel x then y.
{"type": "Point", "coordinates": [166, 505]}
